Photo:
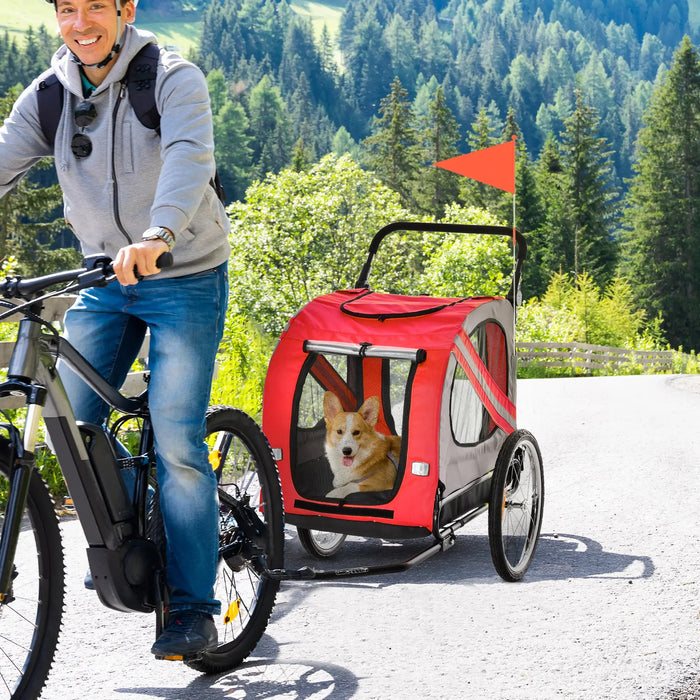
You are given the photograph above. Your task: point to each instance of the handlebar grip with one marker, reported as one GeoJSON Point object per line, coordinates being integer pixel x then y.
{"type": "Point", "coordinates": [164, 260]}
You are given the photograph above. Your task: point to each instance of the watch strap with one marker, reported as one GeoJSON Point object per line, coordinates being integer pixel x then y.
{"type": "Point", "coordinates": [158, 232]}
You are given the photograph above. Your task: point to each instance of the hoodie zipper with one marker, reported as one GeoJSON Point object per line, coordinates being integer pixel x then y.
{"type": "Point", "coordinates": [115, 186]}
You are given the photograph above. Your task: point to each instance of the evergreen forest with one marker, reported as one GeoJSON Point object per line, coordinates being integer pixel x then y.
{"type": "Point", "coordinates": [602, 95]}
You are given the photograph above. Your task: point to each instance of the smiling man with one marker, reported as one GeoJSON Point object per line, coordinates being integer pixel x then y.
{"type": "Point", "coordinates": [90, 33]}
{"type": "Point", "coordinates": [134, 186]}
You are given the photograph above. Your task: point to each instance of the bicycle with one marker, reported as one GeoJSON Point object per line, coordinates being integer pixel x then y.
{"type": "Point", "coordinates": [122, 525]}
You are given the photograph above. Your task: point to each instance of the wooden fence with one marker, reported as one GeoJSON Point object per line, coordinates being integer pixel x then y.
{"type": "Point", "coordinates": [589, 358]}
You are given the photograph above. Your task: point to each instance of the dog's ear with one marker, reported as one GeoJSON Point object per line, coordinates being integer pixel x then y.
{"type": "Point", "coordinates": [370, 410]}
{"type": "Point", "coordinates": [331, 406]}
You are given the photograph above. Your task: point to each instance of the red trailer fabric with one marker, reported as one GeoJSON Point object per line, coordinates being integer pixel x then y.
{"type": "Point", "coordinates": [444, 371]}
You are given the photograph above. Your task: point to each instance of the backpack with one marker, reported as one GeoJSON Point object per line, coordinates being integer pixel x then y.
{"type": "Point", "coordinates": [140, 82]}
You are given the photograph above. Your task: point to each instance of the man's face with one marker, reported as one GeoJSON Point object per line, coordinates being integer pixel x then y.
{"type": "Point", "coordinates": [89, 27]}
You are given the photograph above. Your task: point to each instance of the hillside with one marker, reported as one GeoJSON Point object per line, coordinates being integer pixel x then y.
{"type": "Point", "coordinates": [179, 31]}
{"type": "Point", "coordinates": [182, 31]}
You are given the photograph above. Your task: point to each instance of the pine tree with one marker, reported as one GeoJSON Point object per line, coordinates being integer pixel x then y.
{"type": "Point", "coordinates": [233, 152]}
{"type": "Point", "coordinates": [269, 128]}
{"type": "Point", "coordinates": [591, 194]}
{"type": "Point", "coordinates": [368, 64]}
{"type": "Point", "coordinates": [392, 150]}
{"type": "Point", "coordinates": [303, 115]}
{"type": "Point", "coordinates": [664, 202]}
{"type": "Point", "coordinates": [557, 243]}
{"type": "Point", "coordinates": [483, 135]}
{"type": "Point", "coordinates": [344, 143]}
{"type": "Point", "coordinates": [529, 211]}
{"type": "Point", "coordinates": [440, 134]}
{"type": "Point", "coordinates": [403, 49]}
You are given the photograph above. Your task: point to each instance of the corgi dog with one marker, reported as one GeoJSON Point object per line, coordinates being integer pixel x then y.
{"type": "Point", "coordinates": [361, 459]}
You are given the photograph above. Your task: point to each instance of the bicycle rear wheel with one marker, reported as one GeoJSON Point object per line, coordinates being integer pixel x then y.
{"type": "Point", "coordinates": [516, 505]}
{"type": "Point", "coordinates": [248, 486]}
{"type": "Point", "coordinates": [30, 619]}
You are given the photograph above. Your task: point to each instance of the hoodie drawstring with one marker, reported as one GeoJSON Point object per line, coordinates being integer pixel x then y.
{"type": "Point", "coordinates": [67, 124]}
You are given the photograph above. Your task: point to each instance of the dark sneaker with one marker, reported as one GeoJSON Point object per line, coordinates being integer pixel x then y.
{"type": "Point", "coordinates": [88, 582]}
{"type": "Point", "coordinates": [189, 632]}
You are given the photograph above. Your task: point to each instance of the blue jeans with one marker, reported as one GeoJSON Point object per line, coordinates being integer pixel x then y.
{"type": "Point", "coordinates": [186, 317]}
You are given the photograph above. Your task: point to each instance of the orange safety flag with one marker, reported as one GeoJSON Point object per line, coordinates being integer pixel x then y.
{"type": "Point", "coordinates": [493, 166]}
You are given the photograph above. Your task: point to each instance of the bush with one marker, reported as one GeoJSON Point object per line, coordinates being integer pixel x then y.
{"type": "Point", "coordinates": [242, 364]}
{"type": "Point", "coordinates": [578, 312]}
{"type": "Point", "coordinates": [575, 310]}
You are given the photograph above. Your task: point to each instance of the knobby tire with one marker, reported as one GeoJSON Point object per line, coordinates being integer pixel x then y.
{"type": "Point", "coordinates": [245, 466]}
{"type": "Point", "coordinates": [30, 625]}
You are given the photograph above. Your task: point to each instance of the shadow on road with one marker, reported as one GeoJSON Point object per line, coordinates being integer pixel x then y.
{"type": "Point", "coordinates": [562, 556]}
{"type": "Point", "coordinates": [263, 678]}
{"type": "Point", "coordinates": [558, 556]}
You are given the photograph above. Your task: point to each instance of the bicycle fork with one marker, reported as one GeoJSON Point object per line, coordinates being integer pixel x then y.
{"type": "Point", "coordinates": [21, 474]}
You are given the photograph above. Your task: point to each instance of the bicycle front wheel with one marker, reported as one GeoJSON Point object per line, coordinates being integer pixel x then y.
{"type": "Point", "coordinates": [30, 617]}
{"type": "Point", "coordinates": [249, 485]}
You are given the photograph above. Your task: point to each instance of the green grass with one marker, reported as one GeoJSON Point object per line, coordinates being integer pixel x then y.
{"type": "Point", "coordinates": [17, 17]}
{"type": "Point", "coordinates": [183, 34]}
{"type": "Point", "coordinates": [321, 13]}
{"type": "Point", "coordinates": [181, 31]}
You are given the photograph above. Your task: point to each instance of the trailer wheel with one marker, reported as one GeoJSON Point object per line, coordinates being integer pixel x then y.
{"type": "Point", "coordinates": [516, 505]}
{"type": "Point", "coordinates": [320, 544]}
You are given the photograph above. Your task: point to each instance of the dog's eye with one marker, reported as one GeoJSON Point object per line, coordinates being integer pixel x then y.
{"type": "Point", "coordinates": [339, 431]}
{"type": "Point", "coordinates": [355, 432]}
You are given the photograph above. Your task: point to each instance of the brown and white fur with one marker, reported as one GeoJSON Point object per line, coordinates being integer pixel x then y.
{"type": "Point", "coordinates": [359, 456]}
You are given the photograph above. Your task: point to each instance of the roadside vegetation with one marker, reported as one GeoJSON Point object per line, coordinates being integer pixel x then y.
{"type": "Point", "coordinates": [317, 150]}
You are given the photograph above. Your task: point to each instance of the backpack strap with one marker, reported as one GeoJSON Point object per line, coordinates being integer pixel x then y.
{"type": "Point", "coordinates": [50, 101]}
{"type": "Point", "coordinates": [141, 84]}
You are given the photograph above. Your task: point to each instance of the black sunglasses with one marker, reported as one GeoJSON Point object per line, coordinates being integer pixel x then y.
{"type": "Point", "coordinates": [84, 115]}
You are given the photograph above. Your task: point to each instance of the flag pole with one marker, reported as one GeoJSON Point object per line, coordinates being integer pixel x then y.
{"type": "Point", "coordinates": [495, 166]}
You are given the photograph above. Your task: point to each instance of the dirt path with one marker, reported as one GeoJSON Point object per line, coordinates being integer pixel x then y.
{"type": "Point", "coordinates": [609, 609]}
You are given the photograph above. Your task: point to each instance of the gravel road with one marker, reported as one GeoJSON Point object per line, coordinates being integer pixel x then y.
{"type": "Point", "coordinates": [609, 609]}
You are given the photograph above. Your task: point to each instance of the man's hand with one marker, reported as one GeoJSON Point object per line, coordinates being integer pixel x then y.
{"type": "Point", "coordinates": [140, 257]}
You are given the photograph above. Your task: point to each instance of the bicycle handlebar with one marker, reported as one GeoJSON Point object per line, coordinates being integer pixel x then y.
{"type": "Point", "coordinates": [96, 273]}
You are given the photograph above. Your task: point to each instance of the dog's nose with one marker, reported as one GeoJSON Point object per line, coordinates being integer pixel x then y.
{"type": "Point", "coordinates": [347, 451]}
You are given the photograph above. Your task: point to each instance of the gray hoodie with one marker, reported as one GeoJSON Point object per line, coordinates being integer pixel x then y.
{"type": "Point", "coordinates": [133, 179]}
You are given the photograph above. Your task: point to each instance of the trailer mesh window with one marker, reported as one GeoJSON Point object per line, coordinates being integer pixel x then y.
{"type": "Point", "coordinates": [353, 378]}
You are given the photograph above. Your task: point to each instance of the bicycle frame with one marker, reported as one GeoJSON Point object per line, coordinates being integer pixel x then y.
{"type": "Point", "coordinates": [122, 561]}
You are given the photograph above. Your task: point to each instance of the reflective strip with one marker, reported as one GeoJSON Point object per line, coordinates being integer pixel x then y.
{"type": "Point", "coordinates": [497, 403]}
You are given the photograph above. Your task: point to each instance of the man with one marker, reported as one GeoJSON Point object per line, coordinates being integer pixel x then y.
{"type": "Point", "coordinates": [132, 193]}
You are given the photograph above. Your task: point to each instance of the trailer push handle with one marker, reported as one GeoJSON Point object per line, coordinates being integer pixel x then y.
{"type": "Point", "coordinates": [474, 229]}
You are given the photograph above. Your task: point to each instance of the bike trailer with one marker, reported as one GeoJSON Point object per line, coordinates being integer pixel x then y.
{"type": "Point", "coordinates": [444, 373]}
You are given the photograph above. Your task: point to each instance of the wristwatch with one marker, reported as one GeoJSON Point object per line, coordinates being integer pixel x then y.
{"type": "Point", "coordinates": [158, 232]}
